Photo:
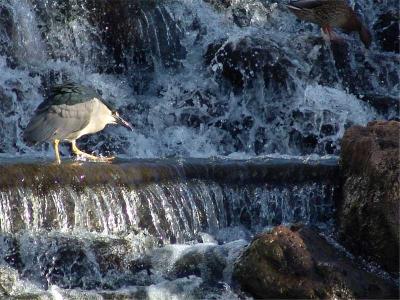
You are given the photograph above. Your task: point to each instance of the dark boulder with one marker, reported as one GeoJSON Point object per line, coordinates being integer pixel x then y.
{"type": "Point", "coordinates": [386, 106]}
{"type": "Point", "coordinates": [130, 37]}
{"type": "Point", "coordinates": [208, 264]}
{"type": "Point", "coordinates": [220, 4]}
{"type": "Point", "coordinates": [369, 215]}
{"type": "Point", "coordinates": [243, 13]}
{"type": "Point", "coordinates": [300, 263]}
{"type": "Point", "coordinates": [387, 31]}
{"type": "Point", "coordinates": [245, 61]}
{"type": "Point", "coordinates": [6, 30]}
{"type": "Point", "coordinates": [359, 72]}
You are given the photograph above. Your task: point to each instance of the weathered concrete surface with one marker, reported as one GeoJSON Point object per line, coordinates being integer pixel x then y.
{"type": "Point", "coordinates": [299, 263]}
{"type": "Point", "coordinates": [369, 217]}
{"type": "Point", "coordinates": [47, 175]}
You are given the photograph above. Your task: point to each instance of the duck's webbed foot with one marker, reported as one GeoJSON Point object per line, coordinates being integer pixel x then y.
{"type": "Point", "coordinates": [331, 35]}
{"type": "Point", "coordinates": [78, 152]}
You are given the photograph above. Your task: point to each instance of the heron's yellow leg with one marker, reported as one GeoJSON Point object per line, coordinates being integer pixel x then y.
{"type": "Point", "coordinates": [56, 152]}
{"type": "Point", "coordinates": [89, 156]}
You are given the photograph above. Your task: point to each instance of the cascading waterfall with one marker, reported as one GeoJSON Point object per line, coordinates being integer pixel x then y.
{"type": "Point", "coordinates": [173, 203]}
{"type": "Point", "coordinates": [172, 211]}
{"type": "Point", "coordinates": [174, 73]}
{"type": "Point", "coordinates": [242, 86]}
{"type": "Point", "coordinates": [78, 229]}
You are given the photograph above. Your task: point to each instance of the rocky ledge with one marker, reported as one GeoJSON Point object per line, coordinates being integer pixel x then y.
{"type": "Point", "coordinates": [300, 263]}
{"type": "Point", "coordinates": [368, 216]}
{"type": "Point", "coordinates": [137, 171]}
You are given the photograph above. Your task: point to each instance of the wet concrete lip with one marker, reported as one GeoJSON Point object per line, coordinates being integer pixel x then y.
{"type": "Point", "coordinates": [25, 172]}
{"type": "Point", "coordinates": [264, 160]}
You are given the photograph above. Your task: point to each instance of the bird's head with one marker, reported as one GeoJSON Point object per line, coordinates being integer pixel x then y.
{"type": "Point", "coordinates": [118, 120]}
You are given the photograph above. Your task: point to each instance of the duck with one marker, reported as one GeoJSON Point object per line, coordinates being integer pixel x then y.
{"type": "Point", "coordinates": [329, 14]}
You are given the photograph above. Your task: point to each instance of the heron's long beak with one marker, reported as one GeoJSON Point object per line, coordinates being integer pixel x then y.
{"type": "Point", "coordinates": [122, 122]}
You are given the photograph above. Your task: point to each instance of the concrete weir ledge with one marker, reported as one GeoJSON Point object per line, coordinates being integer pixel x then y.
{"type": "Point", "coordinates": [42, 174]}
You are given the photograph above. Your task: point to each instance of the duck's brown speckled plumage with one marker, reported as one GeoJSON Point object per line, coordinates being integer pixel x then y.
{"type": "Point", "coordinates": [330, 13]}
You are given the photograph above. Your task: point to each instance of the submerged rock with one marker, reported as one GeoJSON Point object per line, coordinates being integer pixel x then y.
{"type": "Point", "coordinates": [243, 61]}
{"type": "Point", "coordinates": [8, 279]}
{"type": "Point", "coordinates": [369, 215]}
{"type": "Point", "coordinates": [387, 31]}
{"type": "Point", "coordinates": [208, 264]}
{"type": "Point", "coordinates": [287, 263]}
{"type": "Point", "coordinates": [243, 12]}
{"type": "Point", "coordinates": [6, 30]}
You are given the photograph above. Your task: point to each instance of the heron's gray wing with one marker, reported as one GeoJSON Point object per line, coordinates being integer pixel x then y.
{"type": "Point", "coordinates": [58, 122]}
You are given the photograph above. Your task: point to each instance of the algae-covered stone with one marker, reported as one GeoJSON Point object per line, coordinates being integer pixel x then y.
{"type": "Point", "coordinates": [291, 263]}
{"type": "Point", "coordinates": [8, 279]}
{"type": "Point", "coordinates": [369, 213]}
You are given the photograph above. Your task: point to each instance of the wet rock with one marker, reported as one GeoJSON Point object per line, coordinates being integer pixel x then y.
{"type": "Point", "coordinates": [208, 264]}
{"type": "Point", "coordinates": [307, 143]}
{"type": "Point", "coordinates": [12, 287]}
{"type": "Point", "coordinates": [387, 31]}
{"type": "Point", "coordinates": [6, 30]}
{"type": "Point", "coordinates": [220, 4]}
{"type": "Point", "coordinates": [300, 263]}
{"type": "Point", "coordinates": [244, 61]}
{"type": "Point", "coordinates": [243, 12]}
{"type": "Point", "coordinates": [369, 214]}
{"type": "Point", "coordinates": [69, 261]}
{"type": "Point", "coordinates": [111, 256]}
{"type": "Point", "coordinates": [387, 106]}
{"type": "Point", "coordinates": [122, 25]}
{"type": "Point", "coordinates": [130, 38]}
{"type": "Point", "coordinates": [198, 107]}
{"type": "Point", "coordinates": [68, 264]}
{"type": "Point", "coordinates": [358, 72]}
{"type": "Point", "coordinates": [6, 110]}
{"type": "Point", "coordinates": [6, 103]}
{"type": "Point", "coordinates": [8, 279]}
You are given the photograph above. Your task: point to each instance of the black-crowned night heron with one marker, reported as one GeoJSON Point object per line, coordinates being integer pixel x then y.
{"type": "Point", "coordinates": [71, 111]}
{"type": "Point", "coordinates": [331, 13]}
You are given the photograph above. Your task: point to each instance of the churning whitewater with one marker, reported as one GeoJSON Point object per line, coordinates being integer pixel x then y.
{"type": "Point", "coordinates": [196, 81]}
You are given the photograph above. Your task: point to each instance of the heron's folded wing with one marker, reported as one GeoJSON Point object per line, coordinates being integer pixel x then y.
{"type": "Point", "coordinates": [58, 122]}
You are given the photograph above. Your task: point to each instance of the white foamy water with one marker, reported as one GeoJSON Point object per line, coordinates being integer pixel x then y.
{"type": "Point", "coordinates": [186, 111]}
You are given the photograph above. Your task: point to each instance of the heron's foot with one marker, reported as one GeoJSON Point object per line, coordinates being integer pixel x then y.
{"type": "Point", "coordinates": [109, 158]}
{"type": "Point", "coordinates": [78, 152]}
{"type": "Point", "coordinates": [56, 152]}
{"type": "Point", "coordinates": [92, 157]}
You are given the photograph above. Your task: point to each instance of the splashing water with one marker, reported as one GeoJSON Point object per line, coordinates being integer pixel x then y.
{"type": "Point", "coordinates": [194, 83]}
